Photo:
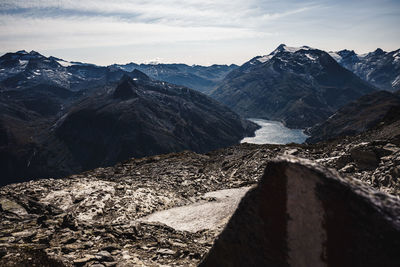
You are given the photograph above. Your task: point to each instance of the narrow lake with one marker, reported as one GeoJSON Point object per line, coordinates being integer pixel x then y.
{"type": "Point", "coordinates": [274, 132]}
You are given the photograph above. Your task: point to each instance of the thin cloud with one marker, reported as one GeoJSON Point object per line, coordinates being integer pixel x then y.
{"type": "Point", "coordinates": [191, 13]}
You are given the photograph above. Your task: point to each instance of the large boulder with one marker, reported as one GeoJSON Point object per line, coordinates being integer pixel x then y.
{"type": "Point", "coordinates": [301, 214]}
{"type": "Point", "coordinates": [365, 157]}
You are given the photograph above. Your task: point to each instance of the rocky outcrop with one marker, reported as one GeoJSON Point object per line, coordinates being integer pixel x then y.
{"type": "Point", "coordinates": [303, 215]}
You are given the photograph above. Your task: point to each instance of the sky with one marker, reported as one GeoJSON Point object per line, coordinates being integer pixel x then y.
{"type": "Point", "coordinates": [202, 32]}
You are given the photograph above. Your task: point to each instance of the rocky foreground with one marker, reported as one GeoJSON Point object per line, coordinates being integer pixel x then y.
{"type": "Point", "coordinates": [131, 214]}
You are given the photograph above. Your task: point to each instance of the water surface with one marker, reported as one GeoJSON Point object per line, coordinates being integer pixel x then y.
{"type": "Point", "coordinates": [274, 132]}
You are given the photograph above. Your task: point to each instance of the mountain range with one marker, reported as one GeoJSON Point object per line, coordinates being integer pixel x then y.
{"type": "Point", "coordinates": [123, 199]}
{"type": "Point", "coordinates": [200, 78]}
{"type": "Point", "coordinates": [59, 118]}
{"type": "Point", "coordinates": [298, 86]}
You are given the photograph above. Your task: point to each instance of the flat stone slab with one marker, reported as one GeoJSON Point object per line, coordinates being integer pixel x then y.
{"type": "Point", "coordinates": [209, 215]}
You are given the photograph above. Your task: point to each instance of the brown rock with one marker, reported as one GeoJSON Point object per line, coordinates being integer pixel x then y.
{"type": "Point", "coordinates": [364, 157]}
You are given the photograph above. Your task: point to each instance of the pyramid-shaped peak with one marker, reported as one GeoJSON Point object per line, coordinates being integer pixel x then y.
{"type": "Point", "coordinates": [125, 88]}
{"type": "Point", "coordinates": [378, 51]}
{"type": "Point", "coordinates": [35, 53]}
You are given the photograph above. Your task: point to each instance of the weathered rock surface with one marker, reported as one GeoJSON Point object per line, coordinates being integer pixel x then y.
{"type": "Point", "coordinates": [303, 215]}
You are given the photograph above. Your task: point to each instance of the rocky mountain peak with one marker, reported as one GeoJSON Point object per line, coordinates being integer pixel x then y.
{"type": "Point", "coordinates": [125, 88]}
{"type": "Point", "coordinates": [22, 52]}
{"type": "Point", "coordinates": [289, 49]}
{"type": "Point", "coordinates": [346, 53]}
{"type": "Point", "coordinates": [35, 53]}
{"type": "Point", "coordinates": [281, 47]}
{"type": "Point", "coordinates": [378, 52]}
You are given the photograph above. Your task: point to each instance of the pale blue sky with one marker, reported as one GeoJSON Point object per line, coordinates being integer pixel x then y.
{"type": "Point", "coordinates": [194, 31]}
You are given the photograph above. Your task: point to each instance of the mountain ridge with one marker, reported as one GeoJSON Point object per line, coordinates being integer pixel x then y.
{"type": "Point", "coordinates": [380, 68]}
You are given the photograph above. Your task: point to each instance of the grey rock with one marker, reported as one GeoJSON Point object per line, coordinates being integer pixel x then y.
{"type": "Point", "coordinates": [348, 168]}
{"type": "Point", "coordinates": [84, 260]}
{"type": "Point", "coordinates": [165, 251]}
{"type": "Point", "coordinates": [104, 256]}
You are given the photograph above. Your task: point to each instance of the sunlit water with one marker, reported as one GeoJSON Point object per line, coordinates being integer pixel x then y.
{"type": "Point", "coordinates": [274, 132]}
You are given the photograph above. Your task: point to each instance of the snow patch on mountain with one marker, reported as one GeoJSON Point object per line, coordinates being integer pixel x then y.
{"type": "Point", "coordinates": [396, 81]}
{"type": "Point", "coordinates": [335, 56]}
{"type": "Point", "coordinates": [264, 59]}
{"type": "Point", "coordinates": [396, 57]}
{"type": "Point", "coordinates": [291, 49]}
{"type": "Point", "coordinates": [65, 63]}
{"type": "Point", "coordinates": [23, 63]}
{"type": "Point", "coordinates": [312, 57]}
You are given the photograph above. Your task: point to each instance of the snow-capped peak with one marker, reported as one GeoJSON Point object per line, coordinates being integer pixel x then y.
{"type": "Point", "coordinates": [290, 49]}
{"type": "Point", "coordinates": [282, 48]}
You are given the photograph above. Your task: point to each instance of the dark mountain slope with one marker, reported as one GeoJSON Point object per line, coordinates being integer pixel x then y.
{"type": "Point", "coordinates": [299, 86]}
{"type": "Point", "coordinates": [143, 118]}
{"type": "Point", "coordinates": [134, 118]}
{"type": "Point", "coordinates": [379, 108]}
{"type": "Point", "coordinates": [19, 128]}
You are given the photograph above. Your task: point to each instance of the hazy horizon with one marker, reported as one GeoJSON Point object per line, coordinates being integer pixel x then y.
{"type": "Point", "coordinates": [193, 31]}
